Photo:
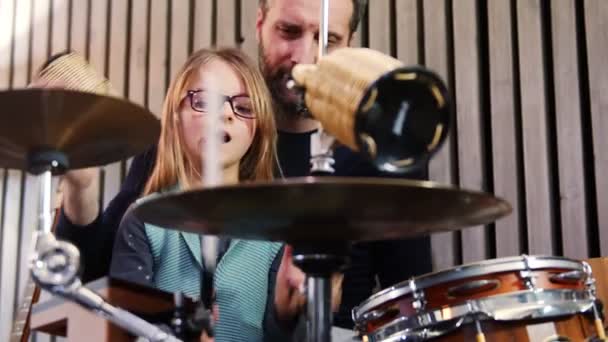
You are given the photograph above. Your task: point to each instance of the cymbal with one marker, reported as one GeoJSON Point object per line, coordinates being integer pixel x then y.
{"type": "Point", "coordinates": [84, 128]}
{"type": "Point", "coordinates": [314, 209]}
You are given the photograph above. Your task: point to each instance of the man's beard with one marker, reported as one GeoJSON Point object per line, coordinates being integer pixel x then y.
{"type": "Point", "coordinates": [289, 104]}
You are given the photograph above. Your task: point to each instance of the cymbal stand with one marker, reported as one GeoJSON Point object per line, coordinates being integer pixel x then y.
{"type": "Point", "coordinates": [319, 261]}
{"type": "Point", "coordinates": [55, 264]}
{"type": "Point", "coordinates": [321, 142]}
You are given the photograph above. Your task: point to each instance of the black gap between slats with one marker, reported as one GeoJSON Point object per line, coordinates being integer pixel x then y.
{"type": "Point", "coordinates": [587, 133]}
{"type": "Point", "coordinates": [486, 116]}
{"type": "Point", "coordinates": [519, 145]}
{"type": "Point", "coordinates": [421, 45]}
{"type": "Point", "coordinates": [551, 126]}
{"type": "Point", "coordinates": [449, 18]}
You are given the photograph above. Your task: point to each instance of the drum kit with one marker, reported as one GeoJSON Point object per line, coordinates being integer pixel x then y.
{"type": "Point", "coordinates": [524, 298]}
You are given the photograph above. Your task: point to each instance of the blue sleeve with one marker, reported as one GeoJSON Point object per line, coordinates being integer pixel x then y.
{"type": "Point", "coordinates": [132, 258]}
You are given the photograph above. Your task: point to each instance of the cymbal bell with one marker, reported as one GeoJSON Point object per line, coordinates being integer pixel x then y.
{"type": "Point", "coordinates": [76, 128]}
{"type": "Point", "coordinates": [316, 209]}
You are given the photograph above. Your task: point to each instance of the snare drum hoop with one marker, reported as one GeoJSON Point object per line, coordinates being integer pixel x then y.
{"type": "Point", "coordinates": [509, 264]}
{"type": "Point", "coordinates": [526, 304]}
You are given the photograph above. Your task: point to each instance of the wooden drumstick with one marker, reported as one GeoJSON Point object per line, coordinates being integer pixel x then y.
{"type": "Point", "coordinates": [599, 326]}
{"type": "Point", "coordinates": [480, 336]}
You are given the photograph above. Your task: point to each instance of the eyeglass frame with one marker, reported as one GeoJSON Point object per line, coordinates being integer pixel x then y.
{"type": "Point", "coordinates": [190, 94]}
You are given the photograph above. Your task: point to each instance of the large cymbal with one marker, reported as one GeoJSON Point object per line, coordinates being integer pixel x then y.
{"type": "Point", "coordinates": [323, 209]}
{"type": "Point", "coordinates": [88, 129]}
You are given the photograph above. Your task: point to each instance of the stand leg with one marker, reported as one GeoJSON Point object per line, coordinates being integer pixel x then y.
{"type": "Point", "coordinates": [318, 309]}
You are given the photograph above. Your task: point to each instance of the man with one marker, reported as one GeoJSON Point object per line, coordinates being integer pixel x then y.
{"type": "Point", "coordinates": [287, 33]}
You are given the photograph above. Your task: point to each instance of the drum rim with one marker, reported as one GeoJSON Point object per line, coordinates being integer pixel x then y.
{"type": "Point", "coordinates": [581, 299]}
{"type": "Point", "coordinates": [535, 262]}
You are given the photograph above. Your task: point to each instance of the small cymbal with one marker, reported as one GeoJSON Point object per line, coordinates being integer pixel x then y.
{"type": "Point", "coordinates": [84, 128]}
{"type": "Point", "coordinates": [315, 209]}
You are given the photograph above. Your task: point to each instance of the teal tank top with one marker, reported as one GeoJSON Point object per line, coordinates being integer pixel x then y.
{"type": "Point", "coordinates": [241, 278]}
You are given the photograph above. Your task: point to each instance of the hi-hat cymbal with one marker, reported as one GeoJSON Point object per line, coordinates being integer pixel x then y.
{"type": "Point", "coordinates": [323, 209]}
{"type": "Point", "coordinates": [84, 129]}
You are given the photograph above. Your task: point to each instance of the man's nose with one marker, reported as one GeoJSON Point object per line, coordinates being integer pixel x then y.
{"type": "Point", "coordinates": [304, 51]}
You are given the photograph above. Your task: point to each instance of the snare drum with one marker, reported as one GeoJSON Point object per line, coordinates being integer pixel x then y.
{"type": "Point", "coordinates": [524, 298]}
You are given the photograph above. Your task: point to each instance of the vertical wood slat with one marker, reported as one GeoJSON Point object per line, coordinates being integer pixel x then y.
{"type": "Point", "coordinates": [534, 127]}
{"type": "Point", "coordinates": [249, 10]}
{"type": "Point", "coordinates": [10, 240]}
{"type": "Point", "coordinates": [596, 25]}
{"type": "Point", "coordinates": [407, 31]}
{"type": "Point", "coordinates": [6, 37]}
{"type": "Point", "coordinates": [226, 23]}
{"type": "Point", "coordinates": [137, 58]}
{"type": "Point", "coordinates": [21, 50]}
{"type": "Point", "coordinates": [117, 74]}
{"type": "Point", "coordinates": [78, 29]}
{"type": "Point", "coordinates": [157, 69]}
{"type": "Point", "coordinates": [98, 33]}
{"type": "Point", "coordinates": [203, 14]}
{"type": "Point", "coordinates": [180, 36]}
{"type": "Point", "coordinates": [504, 147]}
{"type": "Point", "coordinates": [5, 307]}
{"type": "Point", "coordinates": [569, 134]}
{"type": "Point", "coordinates": [468, 116]}
{"type": "Point", "coordinates": [40, 29]}
{"type": "Point", "coordinates": [118, 46]}
{"type": "Point", "coordinates": [59, 39]}
{"type": "Point", "coordinates": [380, 26]}
{"type": "Point", "coordinates": [444, 249]}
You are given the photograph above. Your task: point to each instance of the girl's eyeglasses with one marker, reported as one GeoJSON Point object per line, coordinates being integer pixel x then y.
{"type": "Point", "coordinates": [240, 104]}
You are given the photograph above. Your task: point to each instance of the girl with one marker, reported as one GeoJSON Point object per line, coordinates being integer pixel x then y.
{"type": "Point", "coordinates": [169, 259]}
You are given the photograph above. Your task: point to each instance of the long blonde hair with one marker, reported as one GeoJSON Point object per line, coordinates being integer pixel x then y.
{"type": "Point", "coordinates": [172, 164]}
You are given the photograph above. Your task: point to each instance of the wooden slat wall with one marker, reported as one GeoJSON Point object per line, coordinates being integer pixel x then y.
{"type": "Point", "coordinates": [527, 77]}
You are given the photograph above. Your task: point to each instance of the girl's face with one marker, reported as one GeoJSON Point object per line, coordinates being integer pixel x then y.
{"type": "Point", "coordinates": [238, 122]}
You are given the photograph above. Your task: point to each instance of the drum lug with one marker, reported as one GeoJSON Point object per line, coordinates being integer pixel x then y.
{"type": "Point", "coordinates": [528, 279]}
{"type": "Point", "coordinates": [526, 275]}
{"type": "Point", "coordinates": [419, 302]}
{"type": "Point", "coordinates": [590, 280]}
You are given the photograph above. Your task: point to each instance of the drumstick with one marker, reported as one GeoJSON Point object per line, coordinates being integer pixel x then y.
{"type": "Point", "coordinates": [212, 175]}
{"type": "Point", "coordinates": [480, 336]}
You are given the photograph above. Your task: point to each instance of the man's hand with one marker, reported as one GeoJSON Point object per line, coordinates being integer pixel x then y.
{"type": "Point", "coordinates": [289, 296]}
